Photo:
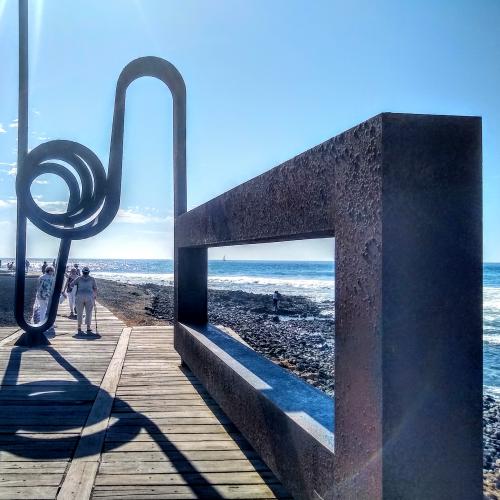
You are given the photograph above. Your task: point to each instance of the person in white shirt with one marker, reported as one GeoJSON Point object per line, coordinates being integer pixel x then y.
{"type": "Point", "coordinates": [86, 293]}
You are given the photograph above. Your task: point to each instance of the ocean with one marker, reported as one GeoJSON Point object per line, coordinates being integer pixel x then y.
{"type": "Point", "coordinates": [312, 279]}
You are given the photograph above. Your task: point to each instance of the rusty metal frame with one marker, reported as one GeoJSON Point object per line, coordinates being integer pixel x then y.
{"type": "Point", "coordinates": [402, 195]}
{"type": "Point", "coordinates": [95, 195]}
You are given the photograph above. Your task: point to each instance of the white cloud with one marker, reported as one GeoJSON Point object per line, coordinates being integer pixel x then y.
{"type": "Point", "coordinates": [7, 203]}
{"type": "Point", "coordinates": [14, 123]}
{"type": "Point", "coordinates": [40, 181]}
{"type": "Point", "coordinates": [52, 203]}
{"type": "Point", "coordinates": [13, 164]}
{"type": "Point", "coordinates": [134, 216]}
{"type": "Point", "coordinates": [12, 171]}
{"type": "Point", "coordinates": [2, 130]}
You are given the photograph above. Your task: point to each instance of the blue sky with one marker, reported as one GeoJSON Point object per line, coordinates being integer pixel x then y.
{"type": "Point", "coordinates": [265, 81]}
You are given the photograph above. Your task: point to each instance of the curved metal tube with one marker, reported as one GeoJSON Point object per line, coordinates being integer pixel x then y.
{"type": "Point", "coordinates": [94, 202]}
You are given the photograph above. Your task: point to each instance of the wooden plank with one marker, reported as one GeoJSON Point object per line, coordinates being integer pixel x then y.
{"type": "Point", "coordinates": [176, 456]}
{"type": "Point", "coordinates": [186, 466]}
{"type": "Point", "coordinates": [25, 493]}
{"type": "Point", "coordinates": [10, 338]}
{"type": "Point", "coordinates": [33, 467]}
{"type": "Point", "coordinates": [187, 478]}
{"type": "Point", "coordinates": [26, 479]}
{"type": "Point", "coordinates": [79, 480]}
{"type": "Point", "coordinates": [173, 438]}
{"type": "Point", "coordinates": [83, 469]}
{"type": "Point", "coordinates": [237, 492]}
{"type": "Point", "coordinates": [168, 445]}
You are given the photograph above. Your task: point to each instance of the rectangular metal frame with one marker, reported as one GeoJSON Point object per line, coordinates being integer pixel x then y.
{"type": "Point", "coordinates": [401, 193]}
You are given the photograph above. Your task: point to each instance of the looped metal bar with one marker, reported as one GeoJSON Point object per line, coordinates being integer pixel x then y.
{"type": "Point", "coordinates": [94, 195]}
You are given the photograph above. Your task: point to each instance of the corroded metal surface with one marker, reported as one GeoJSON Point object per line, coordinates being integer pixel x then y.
{"type": "Point", "coordinates": [358, 375]}
{"type": "Point", "coordinates": [408, 289]}
{"type": "Point", "coordinates": [292, 201]}
{"type": "Point", "coordinates": [94, 196]}
{"type": "Point", "coordinates": [402, 194]}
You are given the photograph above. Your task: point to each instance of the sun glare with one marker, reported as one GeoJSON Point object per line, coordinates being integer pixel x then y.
{"type": "Point", "coordinates": [2, 8]}
{"type": "Point", "coordinates": [36, 22]}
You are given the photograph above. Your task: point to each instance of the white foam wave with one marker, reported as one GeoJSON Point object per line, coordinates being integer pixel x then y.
{"type": "Point", "coordinates": [492, 338]}
{"type": "Point", "coordinates": [491, 299]}
{"type": "Point", "coordinates": [491, 389]}
{"type": "Point", "coordinates": [313, 288]}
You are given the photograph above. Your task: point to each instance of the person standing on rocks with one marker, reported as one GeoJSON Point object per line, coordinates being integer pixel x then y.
{"type": "Point", "coordinates": [86, 293]}
{"type": "Point", "coordinates": [44, 266]}
{"type": "Point", "coordinates": [276, 300]}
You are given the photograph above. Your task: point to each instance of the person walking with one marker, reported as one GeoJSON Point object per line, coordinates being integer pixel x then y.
{"type": "Point", "coordinates": [44, 266]}
{"type": "Point", "coordinates": [70, 290]}
{"type": "Point", "coordinates": [43, 295]}
{"type": "Point", "coordinates": [86, 293]}
{"type": "Point", "coordinates": [75, 265]}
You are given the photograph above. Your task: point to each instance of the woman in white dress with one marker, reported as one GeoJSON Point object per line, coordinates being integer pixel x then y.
{"type": "Point", "coordinates": [43, 295]}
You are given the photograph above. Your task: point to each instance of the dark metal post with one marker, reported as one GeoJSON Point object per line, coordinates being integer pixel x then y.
{"type": "Point", "coordinates": [408, 373]}
{"type": "Point", "coordinates": [191, 286]}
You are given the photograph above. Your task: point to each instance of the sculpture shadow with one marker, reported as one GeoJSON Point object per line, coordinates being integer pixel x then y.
{"type": "Point", "coordinates": [87, 336]}
{"type": "Point", "coordinates": [245, 447]}
{"type": "Point", "coordinates": [42, 420]}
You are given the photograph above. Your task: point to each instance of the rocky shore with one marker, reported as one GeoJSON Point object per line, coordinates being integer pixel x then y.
{"type": "Point", "coordinates": [491, 443]}
{"type": "Point", "coordinates": [7, 298]}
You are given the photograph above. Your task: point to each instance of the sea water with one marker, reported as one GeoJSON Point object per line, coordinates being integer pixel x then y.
{"type": "Point", "coordinates": [311, 279]}
{"type": "Point", "coordinates": [491, 328]}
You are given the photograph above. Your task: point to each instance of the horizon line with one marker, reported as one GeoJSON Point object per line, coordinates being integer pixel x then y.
{"type": "Point", "coordinates": [171, 259]}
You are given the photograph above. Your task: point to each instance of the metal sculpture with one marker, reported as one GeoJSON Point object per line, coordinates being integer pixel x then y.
{"type": "Point", "coordinates": [95, 200]}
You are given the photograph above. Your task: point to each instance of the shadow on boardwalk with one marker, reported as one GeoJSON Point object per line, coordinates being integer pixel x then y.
{"type": "Point", "coordinates": [41, 421]}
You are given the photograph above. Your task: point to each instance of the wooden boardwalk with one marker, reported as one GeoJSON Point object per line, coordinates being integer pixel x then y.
{"type": "Point", "coordinates": [114, 415]}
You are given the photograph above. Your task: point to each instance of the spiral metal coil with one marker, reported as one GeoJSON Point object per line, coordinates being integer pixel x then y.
{"type": "Point", "coordinates": [94, 196]}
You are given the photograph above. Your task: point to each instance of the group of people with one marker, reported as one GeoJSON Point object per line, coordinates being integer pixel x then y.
{"type": "Point", "coordinates": [11, 265]}
{"type": "Point", "coordinates": [79, 288]}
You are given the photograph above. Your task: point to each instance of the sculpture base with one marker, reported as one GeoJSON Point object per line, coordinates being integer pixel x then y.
{"type": "Point", "coordinates": [32, 340]}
